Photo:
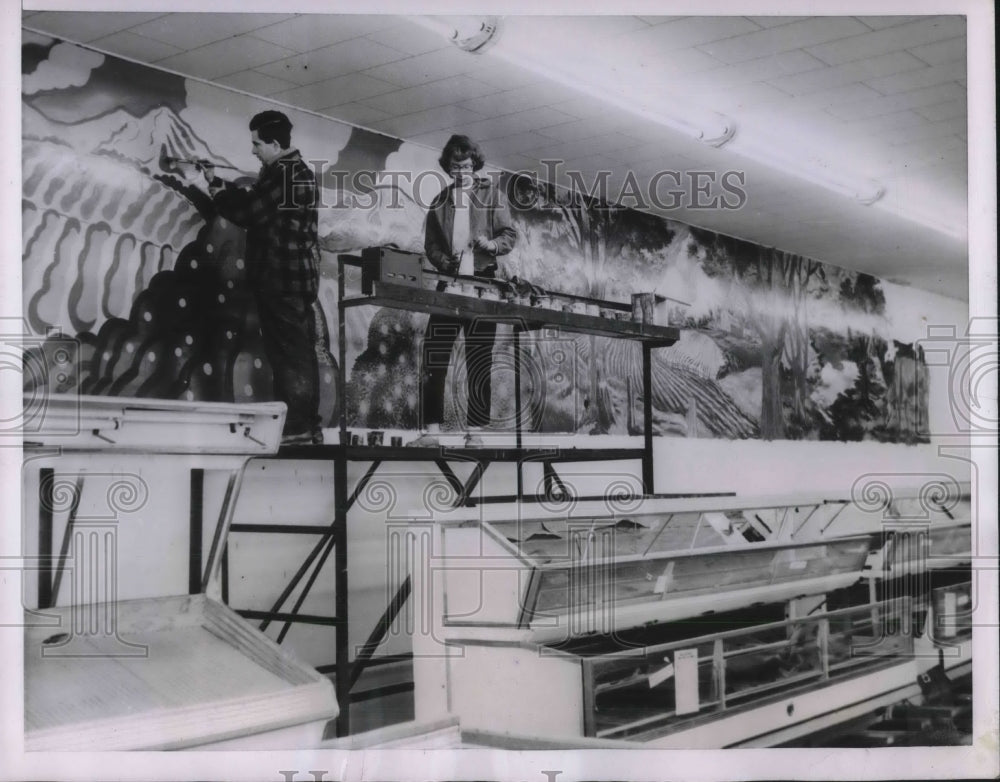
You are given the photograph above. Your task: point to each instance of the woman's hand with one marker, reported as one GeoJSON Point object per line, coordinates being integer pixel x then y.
{"type": "Point", "coordinates": [483, 242]}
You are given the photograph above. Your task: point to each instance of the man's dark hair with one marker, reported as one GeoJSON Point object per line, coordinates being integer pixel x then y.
{"type": "Point", "coordinates": [273, 126]}
{"type": "Point", "coordinates": [460, 148]}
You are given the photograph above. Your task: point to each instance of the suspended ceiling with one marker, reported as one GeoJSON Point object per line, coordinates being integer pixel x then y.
{"type": "Point", "coordinates": [870, 98]}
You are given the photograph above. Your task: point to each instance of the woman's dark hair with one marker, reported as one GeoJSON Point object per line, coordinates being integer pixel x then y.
{"type": "Point", "coordinates": [273, 126]}
{"type": "Point", "coordinates": [460, 148]}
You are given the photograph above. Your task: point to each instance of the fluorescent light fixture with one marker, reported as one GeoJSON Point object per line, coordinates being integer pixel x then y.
{"type": "Point", "coordinates": [707, 127]}
{"type": "Point", "coordinates": [595, 78]}
{"type": "Point", "coordinates": [697, 123]}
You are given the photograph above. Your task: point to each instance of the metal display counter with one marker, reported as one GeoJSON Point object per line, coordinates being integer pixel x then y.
{"type": "Point", "coordinates": [173, 671]}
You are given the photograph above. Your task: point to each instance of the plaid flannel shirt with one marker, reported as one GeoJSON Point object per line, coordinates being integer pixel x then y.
{"type": "Point", "coordinates": [279, 213]}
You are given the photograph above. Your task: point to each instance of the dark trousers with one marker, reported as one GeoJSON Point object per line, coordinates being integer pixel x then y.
{"type": "Point", "coordinates": [439, 340]}
{"type": "Point", "coordinates": [288, 330]}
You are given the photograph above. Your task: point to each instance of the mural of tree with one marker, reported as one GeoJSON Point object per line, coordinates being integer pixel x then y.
{"type": "Point", "coordinates": [774, 345]}
{"type": "Point", "coordinates": [864, 409]}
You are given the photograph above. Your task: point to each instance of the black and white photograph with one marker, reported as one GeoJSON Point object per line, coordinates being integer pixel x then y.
{"type": "Point", "coordinates": [417, 393]}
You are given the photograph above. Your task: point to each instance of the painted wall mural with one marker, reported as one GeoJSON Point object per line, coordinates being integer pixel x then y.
{"type": "Point", "coordinates": [123, 252]}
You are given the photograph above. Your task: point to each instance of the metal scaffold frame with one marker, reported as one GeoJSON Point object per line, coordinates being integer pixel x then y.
{"type": "Point", "coordinates": [333, 537]}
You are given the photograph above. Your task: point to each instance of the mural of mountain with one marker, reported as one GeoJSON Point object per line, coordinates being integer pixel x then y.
{"type": "Point", "coordinates": [776, 345]}
{"type": "Point", "coordinates": [144, 140]}
{"type": "Point", "coordinates": [138, 140]}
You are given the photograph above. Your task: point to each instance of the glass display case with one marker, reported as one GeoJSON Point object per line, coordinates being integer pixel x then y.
{"type": "Point", "coordinates": [698, 690]}
{"type": "Point", "coordinates": [920, 534]}
{"type": "Point", "coordinates": [561, 578]}
{"type": "Point", "coordinates": [643, 693]}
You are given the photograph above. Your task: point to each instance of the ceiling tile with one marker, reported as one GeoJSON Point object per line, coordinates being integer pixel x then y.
{"type": "Point", "coordinates": [887, 122]}
{"type": "Point", "coordinates": [775, 21]}
{"type": "Point", "coordinates": [927, 130]}
{"type": "Point", "coordinates": [878, 22]}
{"type": "Point", "coordinates": [651, 20]}
{"type": "Point", "coordinates": [859, 70]}
{"type": "Point", "coordinates": [135, 47]}
{"type": "Point", "coordinates": [796, 35]}
{"type": "Point", "coordinates": [583, 128]}
{"type": "Point", "coordinates": [642, 130]}
{"type": "Point", "coordinates": [588, 166]}
{"type": "Point", "coordinates": [255, 83]}
{"type": "Point", "coordinates": [190, 30]}
{"type": "Point", "coordinates": [848, 94]}
{"type": "Point", "coordinates": [904, 100]}
{"type": "Point", "coordinates": [577, 105]}
{"type": "Point", "coordinates": [519, 142]}
{"type": "Point", "coordinates": [923, 149]}
{"type": "Point", "coordinates": [426, 96]}
{"type": "Point", "coordinates": [928, 76]}
{"type": "Point", "coordinates": [332, 92]}
{"type": "Point", "coordinates": [509, 124]}
{"type": "Point", "coordinates": [339, 59]}
{"type": "Point", "coordinates": [762, 69]}
{"type": "Point", "coordinates": [422, 68]}
{"type": "Point", "coordinates": [639, 153]}
{"type": "Point", "coordinates": [948, 167]}
{"type": "Point", "coordinates": [941, 52]}
{"type": "Point", "coordinates": [735, 99]}
{"type": "Point", "coordinates": [86, 26]}
{"type": "Point", "coordinates": [425, 121]}
{"type": "Point", "coordinates": [583, 147]}
{"type": "Point", "coordinates": [225, 57]}
{"type": "Point", "coordinates": [316, 31]}
{"type": "Point", "coordinates": [691, 31]}
{"type": "Point", "coordinates": [576, 32]}
{"type": "Point", "coordinates": [356, 113]}
{"type": "Point", "coordinates": [511, 101]}
{"type": "Point", "coordinates": [409, 38]}
{"type": "Point", "coordinates": [607, 26]}
{"type": "Point", "coordinates": [655, 66]}
{"type": "Point", "coordinates": [905, 36]}
{"type": "Point", "coordinates": [951, 109]}
{"type": "Point", "coordinates": [502, 74]}
{"type": "Point", "coordinates": [435, 139]}
{"type": "Point", "coordinates": [514, 161]}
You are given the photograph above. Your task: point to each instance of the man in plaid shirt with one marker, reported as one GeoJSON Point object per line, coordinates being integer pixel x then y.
{"type": "Point", "coordinates": [279, 213]}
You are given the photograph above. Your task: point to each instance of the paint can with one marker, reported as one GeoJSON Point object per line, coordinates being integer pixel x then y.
{"type": "Point", "coordinates": [643, 308]}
